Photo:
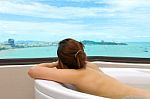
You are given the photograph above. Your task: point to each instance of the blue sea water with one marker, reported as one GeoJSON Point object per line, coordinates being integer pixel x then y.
{"type": "Point", "coordinates": [141, 50]}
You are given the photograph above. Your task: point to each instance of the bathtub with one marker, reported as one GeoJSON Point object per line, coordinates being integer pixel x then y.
{"type": "Point", "coordinates": [132, 76]}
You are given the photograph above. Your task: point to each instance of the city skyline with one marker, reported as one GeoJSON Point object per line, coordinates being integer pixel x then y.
{"type": "Point", "coordinates": [53, 20]}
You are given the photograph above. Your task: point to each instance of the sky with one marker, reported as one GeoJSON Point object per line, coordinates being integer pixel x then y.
{"type": "Point", "coordinates": [54, 20]}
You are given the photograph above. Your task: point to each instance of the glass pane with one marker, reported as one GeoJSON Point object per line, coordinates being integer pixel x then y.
{"type": "Point", "coordinates": [33, 28]}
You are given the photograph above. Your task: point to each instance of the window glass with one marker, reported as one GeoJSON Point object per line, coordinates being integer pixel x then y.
{"type": "Point", "coordinates": [33, 28]}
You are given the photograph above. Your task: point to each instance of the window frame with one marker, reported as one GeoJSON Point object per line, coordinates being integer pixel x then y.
{"type": "Point", "coordinates": [27, 61]}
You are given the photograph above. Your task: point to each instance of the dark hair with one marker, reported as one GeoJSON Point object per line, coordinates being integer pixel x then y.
{"type": "Point", "coordinates": [71, 54]}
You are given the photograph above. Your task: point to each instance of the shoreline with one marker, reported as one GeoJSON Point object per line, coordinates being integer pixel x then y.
{"type": "Point", "coordinates": [2, 49]}
{"type": "Point", "coordinates": [130, 50]}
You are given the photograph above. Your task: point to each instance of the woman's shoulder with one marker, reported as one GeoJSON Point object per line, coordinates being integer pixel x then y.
{"type": "Point", "coordinates": [92, 66]}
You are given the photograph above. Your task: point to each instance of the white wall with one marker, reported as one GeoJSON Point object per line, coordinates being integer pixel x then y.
{"type": "Point", "coordinates": [15, 83]}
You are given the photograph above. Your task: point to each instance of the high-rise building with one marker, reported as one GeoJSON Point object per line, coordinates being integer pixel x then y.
{"type": "Point", "coordinates": [11, 42]}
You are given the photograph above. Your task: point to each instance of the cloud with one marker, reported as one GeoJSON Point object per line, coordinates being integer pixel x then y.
{"type": "Point", "coordinates": [119, 19]}
{"type": "Point", "coordinates": [127, 5]}
{"type": "Point", "coordinates": [121, 8]}
{"type": "Point", "coordinates": [21, 30]}
{"type": "Point", "coordinates": [131, 9]}
{"type": "Point", "coordinates": [33, 9]}
{"type": "Point", "coordinates": [53, 29]}
{"type": "Point", "coordinates": [46, 27]}
{"type": "Point", "coordinates": [37, 9]}
{"type": "Point", "coordinates": [143, 36]}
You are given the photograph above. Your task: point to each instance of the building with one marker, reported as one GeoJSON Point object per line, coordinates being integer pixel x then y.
{"type": "Point", "coordinates": [11, 42]}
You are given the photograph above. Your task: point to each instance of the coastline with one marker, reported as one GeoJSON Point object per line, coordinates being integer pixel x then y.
{"type": "Point", "coordinates": [130, 50]}
{"type": "Point", "coordinates": [85, 42]}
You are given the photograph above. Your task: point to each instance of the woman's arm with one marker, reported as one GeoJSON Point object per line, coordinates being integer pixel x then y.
{"type": "Point", "coordinates": [59, 75]}
{"type": "Point", "coordinates": [49, 65]}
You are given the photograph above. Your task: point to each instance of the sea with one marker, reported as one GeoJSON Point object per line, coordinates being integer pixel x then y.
{"type": "Point", "coordinates": [132, 49]}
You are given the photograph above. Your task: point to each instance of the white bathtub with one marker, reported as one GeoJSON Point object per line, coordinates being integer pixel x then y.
{"type": "Point", "coordinates": [131, 76]}
{"type": "Point", "coordinates": [52, 90]}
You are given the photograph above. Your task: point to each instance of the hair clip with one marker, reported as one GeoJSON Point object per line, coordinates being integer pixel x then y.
{"type": "Point", "coordinates": [77, 53]}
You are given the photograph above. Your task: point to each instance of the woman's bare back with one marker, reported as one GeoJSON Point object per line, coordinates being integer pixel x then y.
{"type": "Point", "coordinates": [94, 81]}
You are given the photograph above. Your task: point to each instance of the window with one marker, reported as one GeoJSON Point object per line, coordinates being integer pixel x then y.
{"type": "Point", "coordinates": [114, 28]}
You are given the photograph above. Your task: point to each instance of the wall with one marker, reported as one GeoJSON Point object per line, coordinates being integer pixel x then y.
{"type": "Point", "coordinates": [15, 82]}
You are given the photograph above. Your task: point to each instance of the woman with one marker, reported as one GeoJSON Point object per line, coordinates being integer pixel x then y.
{"type": "Point", "coordinates": [73, 68]}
